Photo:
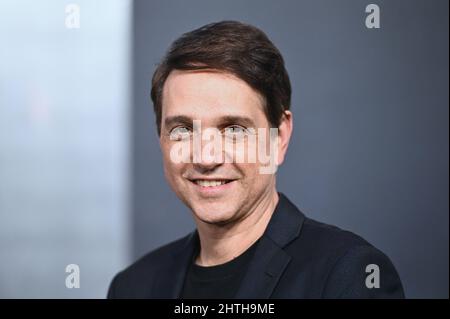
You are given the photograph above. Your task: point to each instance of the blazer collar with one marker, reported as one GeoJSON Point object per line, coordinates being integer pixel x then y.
{"type": "Point", "coordinates": [286, 222]}
{"type": "Point", "coordinates": [270, 259]}
{"type": "Point", "coordinates": [266, 266]}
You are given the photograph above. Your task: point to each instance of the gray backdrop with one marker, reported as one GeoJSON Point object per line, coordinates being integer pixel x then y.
{"type": "Point", "coordinates": [369, 151]}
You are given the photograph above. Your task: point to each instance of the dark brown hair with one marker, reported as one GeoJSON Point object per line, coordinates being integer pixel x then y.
{"type": "Point", "coordinates": [232, 47]}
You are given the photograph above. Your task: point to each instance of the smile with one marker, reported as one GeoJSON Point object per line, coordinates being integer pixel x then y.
{"type": "Point", "coordinates": [210, 183]}
{"type": "Point", "coordinates": [212, 187]}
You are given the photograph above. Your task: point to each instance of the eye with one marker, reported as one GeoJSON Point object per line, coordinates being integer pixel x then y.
{"type": "Point", "coordinates": [235, 131]}
{"type": "Point", "coordinates": [179, 133]}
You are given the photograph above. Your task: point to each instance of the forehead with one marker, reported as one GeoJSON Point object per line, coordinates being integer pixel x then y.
{"type": "Point", "coordinates": [208, 94]}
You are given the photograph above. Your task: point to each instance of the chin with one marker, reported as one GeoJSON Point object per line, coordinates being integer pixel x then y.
{"type": "Point", "coordinates": [214, 217]}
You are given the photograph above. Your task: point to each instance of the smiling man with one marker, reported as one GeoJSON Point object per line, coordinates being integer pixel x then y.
{"type": "Point", "coordinates": [221, 97]}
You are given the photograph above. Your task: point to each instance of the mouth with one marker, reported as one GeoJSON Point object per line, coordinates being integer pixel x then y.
{"type": "Point", "coordinates": [211, 183]}
{"type": "Point", "coordinates": [212, 186]}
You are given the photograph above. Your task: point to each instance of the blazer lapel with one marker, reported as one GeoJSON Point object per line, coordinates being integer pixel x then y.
{"type": "Point", "coordinates": [270, 259]}
{"type": "Point", "coordinates": [264, 271]}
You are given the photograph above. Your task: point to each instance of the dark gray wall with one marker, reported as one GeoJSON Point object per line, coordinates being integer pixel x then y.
{"type": "Point", "coordinates": [370, 146]}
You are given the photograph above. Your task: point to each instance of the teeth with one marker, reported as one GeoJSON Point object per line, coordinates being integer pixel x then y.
{"type": "Point", "coordinates": [205, 183]}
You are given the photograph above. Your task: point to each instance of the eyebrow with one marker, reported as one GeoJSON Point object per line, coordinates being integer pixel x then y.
{"type": "Point", "coordinates": [178, 119]}
{"type": "Point", "coordinates": [221, 121]}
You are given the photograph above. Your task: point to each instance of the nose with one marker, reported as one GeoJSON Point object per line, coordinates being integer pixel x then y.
{"type": "Point", "coordinates": [204, 167]}
{"type": "Point", "coordinates": [207, 157]}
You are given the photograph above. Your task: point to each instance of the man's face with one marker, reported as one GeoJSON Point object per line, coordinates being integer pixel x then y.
{"type": "Point", "coordinates": [228, 104]}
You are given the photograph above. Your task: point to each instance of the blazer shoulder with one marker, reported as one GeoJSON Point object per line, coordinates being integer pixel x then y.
{"type": "Point", "coordinates": [330, 238]}
{"type": "Point", "coordinates": [159, 256]}
{"type": "Point", "coordinates": [346, 260]}
{"type": "Point", "coordinates": [142, 271]}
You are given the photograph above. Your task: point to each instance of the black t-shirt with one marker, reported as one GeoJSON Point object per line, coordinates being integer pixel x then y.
{"type": "Point", "coordinates": [216, 282]}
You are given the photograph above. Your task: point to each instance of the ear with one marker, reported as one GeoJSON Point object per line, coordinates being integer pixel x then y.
{"type": "Point", "coordinates": [284, 135]}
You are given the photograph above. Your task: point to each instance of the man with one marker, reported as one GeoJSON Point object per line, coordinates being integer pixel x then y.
{"type": "Point", "coordinates": [250, 241]}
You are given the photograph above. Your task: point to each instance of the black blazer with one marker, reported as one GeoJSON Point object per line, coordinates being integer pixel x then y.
{"type": "Point", "coordinates": [296, 257]}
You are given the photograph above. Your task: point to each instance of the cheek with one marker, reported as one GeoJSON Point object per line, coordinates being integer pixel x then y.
{"type": "Point", "coordinates": [250, 173]}
{"type": "Point", "coordinates": [253, 179]}
{"type": "Point", "coordinates": [173, 174]}
{"type": "Point", "coordinates": [171, 169]}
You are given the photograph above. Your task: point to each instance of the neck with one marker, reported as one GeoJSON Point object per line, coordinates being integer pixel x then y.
{"type": "Point", "coordinates": [220, 244]}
